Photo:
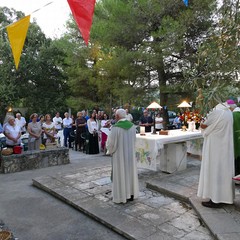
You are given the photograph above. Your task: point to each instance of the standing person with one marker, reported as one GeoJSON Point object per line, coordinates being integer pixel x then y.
{"type": "Point", "coordinates": [217, 168]}
{"type": "Point", "coordinates": [146, 121]}
{"type": "Point", "coordinates": [73, 123]}
{"type": "Point", "coordinates": [49, 130]}
{"type": "Point", "coordinates": [35, 133]}
{"type": "Point", "coordinates": [12, 132]}
{"type": "Point", "coordinates": [1, 128]}
{"type": "Point", "coordinates": [121, 144]}
{"type": "Point", "coordinates": [81, 128]}
{"type": "Point", "coordinates": [177, 121]}
{"type": "Point", "coordinates": [73, 132]}
{"type": "Point", "coordinates": [236, 135]}
{"type": "Point", "coordinates": [21, 122]}
{"type": "Point", "coordinates": [158, 122]}
{"type": "Point", "coordinates": [41, 121]}
{"type": "Point", "coordinates": [129, 116]}
{"type": "Point", "coordinates": [2, 138]}
{"type": "Point", "coordinates": [85, 115]}
{"type": "Point", "coordinates": [57, 120]}
{"type": "Point", "coordinates": [67, 128]}
{"type": "Point", "coordinates": [93, 134]}
{"type": "Point", "coordinates": [105, 125]}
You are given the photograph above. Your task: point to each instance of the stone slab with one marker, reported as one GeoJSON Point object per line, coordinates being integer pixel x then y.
{"type": "Point", "coordinates": [140, 219]}
{"type": "Point", "coordinates": [228, 236]}
{"type": "Point", "coordinates": [153, 215]}
{"type": "Point", "coordinates": [34, 160]}
{"type": "Point", "coordinates": [222, 222]}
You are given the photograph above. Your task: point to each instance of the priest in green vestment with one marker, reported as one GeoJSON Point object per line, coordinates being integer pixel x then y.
{"type": "Point", "coordinates": [121, 145]}
{"type": "Point", "coordinates": [236, 135]}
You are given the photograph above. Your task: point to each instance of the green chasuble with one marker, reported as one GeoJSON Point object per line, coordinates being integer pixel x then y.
{"type": "Point", "coordinates": [125, 124]}
{"type": "Point", "coordinates": [236, 132]}
{"type": "Point", "coordinates": [236, 135]}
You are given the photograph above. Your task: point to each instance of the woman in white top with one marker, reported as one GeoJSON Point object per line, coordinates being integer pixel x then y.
{"type": "Point", "coordinates": [67, 128]}
{"type": "Point", "coordinates": [158, 122]}
{"type": "Point", "coordinates": [12, 132]}
{"type": "Point", "coordinates": [92, 124]}
{"type": "Point", "coordinates": [49, 129]}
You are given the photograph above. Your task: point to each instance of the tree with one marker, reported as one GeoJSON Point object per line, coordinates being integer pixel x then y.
{"type": "Point", "coordinates": [215, 66]}
{"type": "Point", "coordinates": [39, 83]}
{"type": "Point", "coordinates": [140, 48]}
{"type": "Point", "coordinates": [163, 33]}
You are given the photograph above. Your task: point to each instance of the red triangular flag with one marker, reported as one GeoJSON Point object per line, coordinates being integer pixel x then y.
{"type": "Point", "coordinates": [82, 11]}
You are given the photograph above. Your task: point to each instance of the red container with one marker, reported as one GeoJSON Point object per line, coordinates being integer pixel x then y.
{"type": "Point", "coordinates": [17, 150]}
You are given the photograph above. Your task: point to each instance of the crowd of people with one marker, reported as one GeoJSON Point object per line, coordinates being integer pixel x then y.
{"type": "Point", "coordinates": [220, 153]}
{"type": "Point", "coordinates": [43, 129]}
{"type": "Point", "coordinates": [93, 127]}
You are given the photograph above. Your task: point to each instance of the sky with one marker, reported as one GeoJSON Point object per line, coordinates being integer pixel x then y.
{"type": "Point", "coordinates": [51, 19]}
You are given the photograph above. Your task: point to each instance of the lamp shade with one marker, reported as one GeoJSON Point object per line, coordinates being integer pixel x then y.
{"type": "Point", "coordinates": [184, 104]}
{"type": "Point", "coordinates": [154, 105]}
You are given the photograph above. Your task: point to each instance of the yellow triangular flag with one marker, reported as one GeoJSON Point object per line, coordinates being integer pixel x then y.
{"type": "Point", "coordinates": [17, 33]}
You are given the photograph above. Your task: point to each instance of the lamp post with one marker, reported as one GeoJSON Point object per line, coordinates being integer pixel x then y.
{"type": "Point", "coordinates": [154, 106]}
{"type": "Point", "coordinates": [184, 104]}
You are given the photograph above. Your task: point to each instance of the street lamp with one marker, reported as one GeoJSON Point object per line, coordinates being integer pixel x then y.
{"type": "Point", "coordinates": [184, 104]}
{"type": "Point", "coordinates": [154, 106]}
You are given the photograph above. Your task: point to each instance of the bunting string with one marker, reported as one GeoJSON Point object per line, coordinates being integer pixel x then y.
{"type": "Point", "coordinates": [47, 4]}
{"type": "Point", "coordinates": [82, 11]}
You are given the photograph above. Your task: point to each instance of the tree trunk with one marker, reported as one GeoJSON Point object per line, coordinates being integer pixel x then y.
{"type": "Point", "coordinates": [163, 94]}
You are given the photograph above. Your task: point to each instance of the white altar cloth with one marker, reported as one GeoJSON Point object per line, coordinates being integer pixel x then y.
{"type": "Point", "coordinates": [148, 147]}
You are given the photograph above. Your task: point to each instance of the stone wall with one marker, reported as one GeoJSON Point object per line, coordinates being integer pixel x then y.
{"type": "Point", "coordinates": [34, 159]}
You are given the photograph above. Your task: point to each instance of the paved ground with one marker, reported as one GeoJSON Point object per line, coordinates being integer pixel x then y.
{"type": "Point", "coordinates": [152, 216]}
{"type": "Point", "coordinates": [32, 214]}
{"type": "Point", "coordinates": [84, 184]}
{"type": "Point", "coordinates": [224, 223]}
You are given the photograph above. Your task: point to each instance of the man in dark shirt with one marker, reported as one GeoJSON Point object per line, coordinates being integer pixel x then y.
{"type": "Point", "coordinates": [146, 121]}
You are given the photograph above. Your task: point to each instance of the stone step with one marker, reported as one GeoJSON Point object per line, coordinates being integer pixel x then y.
{"type": "Point", "coordinates": [151, 216]}
{"type": "Point", "coordinates": [223, 223]}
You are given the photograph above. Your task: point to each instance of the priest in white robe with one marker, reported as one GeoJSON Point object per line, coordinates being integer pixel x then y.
{"type": "Point", "coordinates": [121, 145]}
{"type": "Point", "coordinates": [217, 168]}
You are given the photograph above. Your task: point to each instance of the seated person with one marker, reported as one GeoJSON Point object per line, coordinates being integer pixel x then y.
{"type": "Point", "coordinates": [146, 121]}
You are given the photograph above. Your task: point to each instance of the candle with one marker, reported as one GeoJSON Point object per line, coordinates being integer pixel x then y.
{"type": "Point", "coordinates": [191, 126]}
{"type": "Point", "coordinates": [142, 130]}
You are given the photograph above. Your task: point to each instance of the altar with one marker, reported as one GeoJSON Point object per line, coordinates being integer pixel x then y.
{"type": "Point", "coordinates": [166, 152]}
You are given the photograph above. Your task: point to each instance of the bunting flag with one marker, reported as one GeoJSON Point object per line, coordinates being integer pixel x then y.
{"type": "Point", "coordinates": [82, 11]}
{"type": "Point", "coordinates": [185, 2]}
{"type": "Point", "coordinates": [17, 33]}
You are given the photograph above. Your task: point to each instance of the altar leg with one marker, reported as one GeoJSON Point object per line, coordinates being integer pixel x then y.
{"type": "Point", "coordinates": [173, 157]}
